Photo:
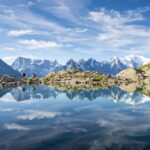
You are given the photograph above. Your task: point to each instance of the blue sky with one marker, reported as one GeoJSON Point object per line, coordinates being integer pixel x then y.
{"type": "Point", "coordinates": [64, 29]}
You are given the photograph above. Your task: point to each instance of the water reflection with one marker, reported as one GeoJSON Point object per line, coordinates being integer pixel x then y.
{"type": "Point", "coordinates": [48, 118]}
{"type": "Point", "coordinates": [43, 92]}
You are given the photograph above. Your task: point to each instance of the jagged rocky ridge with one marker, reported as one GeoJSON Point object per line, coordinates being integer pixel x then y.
{"type": "Point", "coordinates": [129, 80]}
{"type": "Point", "coordinates": [40, 67]}
{"type": "Point", "coordinates": [108, 67]}
{"type": "Point", "coordinates": [140, 75]}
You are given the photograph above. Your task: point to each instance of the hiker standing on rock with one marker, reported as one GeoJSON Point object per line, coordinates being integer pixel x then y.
{"type": "Point", "coordinates": [34, 75]}
{"type": "Point", "coordinates": [24, 75]}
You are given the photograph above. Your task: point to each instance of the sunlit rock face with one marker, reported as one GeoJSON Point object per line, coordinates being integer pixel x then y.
{"type": "Point", "coordinates": [140, 75]}
{"type": "Point", "coordinates": [130, 74]}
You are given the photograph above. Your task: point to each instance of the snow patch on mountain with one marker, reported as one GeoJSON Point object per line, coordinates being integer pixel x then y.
{"type": "Point", "coordinates": [39, 67]}
{"type": "Point", "coordinates": [109, 67]}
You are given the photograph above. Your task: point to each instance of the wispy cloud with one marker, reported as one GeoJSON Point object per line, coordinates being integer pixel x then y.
{"type": "Point", "coordinates": [22, 17]}
{"type": "Point", "coordinates": [16, 33]}
{"type": "Point", "coordinates": [14, 126]}
{"type": "Point", "coordinates": [33, 114]}
{"type": "Point", "coordinates": [8, 48]}
{"type": "Point", "coordinates": [74, 27]}
{"type": "Point", "coordinates": [114, 17]}
{"type": "Point", "coordinates": [6, 109]}
{"type": "Point", "coordinates": [119, 30]}
{"type": "Point", "coordinates": [35, 44]}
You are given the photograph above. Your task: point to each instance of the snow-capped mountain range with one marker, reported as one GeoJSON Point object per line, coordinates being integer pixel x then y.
{"type": "Point", "coordinates": [40, 67]}
{"type": "Point", "coordinates": [111, 67]}
{"type": "Point", "coordinates": [132, 60]}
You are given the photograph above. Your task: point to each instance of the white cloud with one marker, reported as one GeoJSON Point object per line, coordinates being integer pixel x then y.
{"type": "Point", "coordinates": [63, 9]}
{"type": "Point", "coordinates": [9, 59]}
{"type": "Point", "coordinates": [33, 114]}
{"type": "Point", "coordinates": [22, 17]}
{"type": "Point", "coordinates": [6, 109]}
{"type": "Point", "coordinates": [119, 30]}
{"type": "Point", "coordinates": [78, 30]}
{"type": "Point", "coordinates": [14, 126]}
{"type": "Point", "coordinates": [9, 48]}
{"type": "Point", "coordinates": [35, 44]}
{"type": "Point", "coordinates": [103, 30]}
{"type": "Point", "coordinates": [16, 33]}
{"type": "Point", "coordinates": [114, 17]}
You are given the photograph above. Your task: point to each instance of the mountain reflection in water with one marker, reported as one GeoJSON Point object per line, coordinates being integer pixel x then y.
{"type": "Point", "coordinates": [44, 92]}
{"type": "Point", "coordinates": [48, 118]}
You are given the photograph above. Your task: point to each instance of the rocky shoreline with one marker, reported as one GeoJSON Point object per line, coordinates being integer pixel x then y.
{"type": "Point", "coordinates": [10, 81]}
{"type": "Point", "coordinates": [76, 78]}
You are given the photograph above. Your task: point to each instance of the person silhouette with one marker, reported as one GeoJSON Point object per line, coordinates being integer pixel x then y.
{"type": "Point", "coordinates": [24, 75]}
{"type": "Point", "coordinates": [23, 88]}
{"type": "Point", "coordinates": [33, 88]}
{"type": "Point", "coordinates": [34, 75]}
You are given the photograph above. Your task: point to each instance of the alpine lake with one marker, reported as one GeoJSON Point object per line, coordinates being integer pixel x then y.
{"type": "Point", "coordinates": [40, 117]}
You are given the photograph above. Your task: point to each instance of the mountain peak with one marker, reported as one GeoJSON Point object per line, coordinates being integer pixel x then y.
{"type": "Point", "coordinates": [8, 70]}
{"type": "Point", "coordinates": [91, 59]}
{"type": "Point", "coordinates": [112, 66]}
{"type": "Point", "coordinates": [81, 61]}
{"type": "Point", "coordinates": [38, 66]}
{"type": "Point", "coordinates": [70, 61]}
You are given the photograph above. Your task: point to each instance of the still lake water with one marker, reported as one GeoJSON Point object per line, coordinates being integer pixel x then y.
{"type": "Point", "coordinates": [46, 118]}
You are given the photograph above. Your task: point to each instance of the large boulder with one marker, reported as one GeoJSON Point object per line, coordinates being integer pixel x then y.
{"type": "Point", "coordinates": [129, 74]}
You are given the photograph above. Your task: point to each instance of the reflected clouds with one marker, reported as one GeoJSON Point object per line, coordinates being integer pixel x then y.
{"type": "Point", "coordinates": [33, 114]}
{"type": "Point", "coordinates": [14, 126]}
{"type": "Point", "coordinates": [54, 122]}
{"type": "Point", "coordinates": [114, 94]}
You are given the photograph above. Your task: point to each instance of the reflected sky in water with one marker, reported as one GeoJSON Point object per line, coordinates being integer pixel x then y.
{"type": "Point", "coordinates": [40, 117]}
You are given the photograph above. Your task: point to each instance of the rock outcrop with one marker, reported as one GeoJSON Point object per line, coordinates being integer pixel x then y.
{"type": "Point", "coordinates": [145, 73]}
{"type": "Point", "coordinates": [130, 74]}
{"type": "Point", "coordinates": [141, 74]}
{"type": "Point", "coordinates": [133, 79]}
{"type": "Point", "coordinates": [8, 81]}
{"type": "Point", "coordinates": [75, 77]}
